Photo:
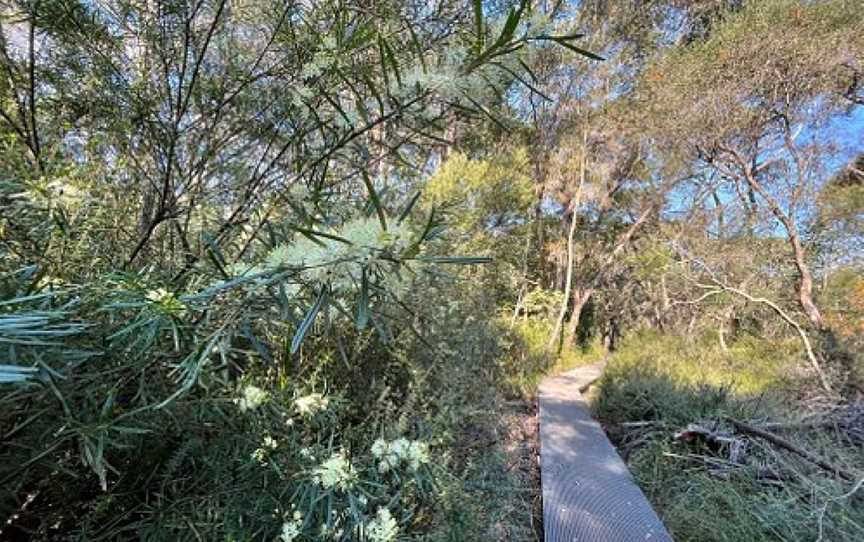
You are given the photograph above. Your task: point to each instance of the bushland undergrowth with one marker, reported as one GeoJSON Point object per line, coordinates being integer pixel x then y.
{"type": "Point", "coordinates": [658, 387]}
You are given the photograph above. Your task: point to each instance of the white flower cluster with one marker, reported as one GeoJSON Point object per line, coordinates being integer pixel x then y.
{"type": "Point", "coordinates": [337, 262]}
{"type": "Point", "coordinates": [165, 301]}
{"type": "Point", "coordinates": [256, 277]}
{"type": "Point", "coordinates": [292, 529]}
{"type": "Point", "coordinates": [443, 80]}
{"type": "Point", "coordinates": [392, 454]}
{"type": "Point", "coordinates": [444, 75]}
{"type": "Point", "coordinates": [311, 404]}
{"type": "Point", "coordinates": [252, 398]}
{"type": "Point", "coordinates": [382, 528]}
{"type": "Point", "coordinates": [307, 453]}
{"type": "Point", "coordinates": [336, 472]}
{"type": "Point", "coordinates": [260, 454]}
{"type": "Point", "coordinates": [158, 295]}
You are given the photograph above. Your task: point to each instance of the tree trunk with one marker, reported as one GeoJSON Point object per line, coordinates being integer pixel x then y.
{"type": "Point", "coordinates": [808, 347]}
{"type": "Point", "coordinates": [557, 336]}
{"type": "Point", "coordinates": [723, 328]}
{"type": "Point", "coordinates": [691, 326]}
{"type": "Point", "coordinates": [557, 333]}
{"type": "Point", "coordinates": [805, 283]}
{"type": "Point", "coordinates": [805, 277]}
{"type": "Point", "coordinates": [721, 336]}
{"type": "Point", "coordinates": [580, 299]}
{"type": "Point", "coordinates": [610, 337]}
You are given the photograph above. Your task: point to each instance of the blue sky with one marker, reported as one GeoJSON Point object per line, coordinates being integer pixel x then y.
{"type": "Point", "coordinates": [848, 132]}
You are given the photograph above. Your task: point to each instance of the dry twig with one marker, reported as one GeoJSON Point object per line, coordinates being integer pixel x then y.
{"type": "Point", "coordinates": [785, 444]}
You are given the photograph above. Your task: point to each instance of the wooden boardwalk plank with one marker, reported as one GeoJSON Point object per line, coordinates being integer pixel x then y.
{"type": "Point", "coordinates": [589, 494]}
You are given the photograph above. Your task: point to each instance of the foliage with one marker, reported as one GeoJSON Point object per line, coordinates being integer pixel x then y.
{"type": "Point", "coordinates": [213, 205]}
{"type": "Point", "coordinates": [527, 358]}
{"type": "Point", "coordinates": [492, 194]}
{"type": "Point", "coordinates": [775, 54]}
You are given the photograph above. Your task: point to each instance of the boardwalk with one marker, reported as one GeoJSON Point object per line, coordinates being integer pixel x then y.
{"type": "Point", "coordinates": [588, 492]}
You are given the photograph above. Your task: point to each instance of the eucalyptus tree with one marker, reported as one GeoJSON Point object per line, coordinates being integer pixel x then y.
{"type": "Point", "coordinates": [598, 165]}
{"type": "Point", "coordinates": [612, 184]}
{"type": "Point", "coordinates": [754, 106]}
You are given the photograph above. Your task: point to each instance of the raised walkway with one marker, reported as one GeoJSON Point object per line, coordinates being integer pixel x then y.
{"type": "Point", "coordinates": [588, 492]}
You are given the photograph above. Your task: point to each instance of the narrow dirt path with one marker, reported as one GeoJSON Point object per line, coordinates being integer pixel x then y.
{"type": "Point", "coordinates": [588, 492]}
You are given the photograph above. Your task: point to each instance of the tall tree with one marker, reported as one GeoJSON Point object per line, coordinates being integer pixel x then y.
{"type": "Point", "coordinates": [755, 120]}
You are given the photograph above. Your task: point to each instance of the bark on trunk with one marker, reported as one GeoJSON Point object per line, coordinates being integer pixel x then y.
{"type": "Point", "coordinates": [805, 284]}
{"type": "Point", "coordinates": [721, 336]}
{"type": "Point", "coordinates": [580, 299]}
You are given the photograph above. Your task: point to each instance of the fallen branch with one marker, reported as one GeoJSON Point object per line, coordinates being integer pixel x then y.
{"type": "Point", "coordinates": [783, 443]}
{"type": "Point", "coordinates": [717, 441]}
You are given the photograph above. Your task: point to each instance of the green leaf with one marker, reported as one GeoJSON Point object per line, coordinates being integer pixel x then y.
{"type": "Point", "coordinates": [528, 70]}
{"type": "Point", "coordinates": [374, 90]}
{"type": "Point", "coordinates": [429, 225]}
{"type": "Point", "coordinates": [516, 76]}
{"type": "Point", "coordinates": [509, 27]}
{"type": "Point", "coordinates": [458, 260]}
{"type": "Point", "coordinates": [262, 349]}
{"type": "Point", "coordinates": [312, 234]}
{"type": "Point", "coordinates": [382, 55]}
{"type": "Point", "coordinates": [565, 42]}
{"type": "Point", "coordinates": [392, 59]}
{"type": "Point", "coordinates": [213, 290]}
{"type": "Point", "coordinates": [215, 254]}
{"type": "Point", "coordinates": [130, 430]}
{"type": "Point", "coordinates": [580, 51]}
{"type": "Point", "coordinates": [487, 113]}
{"type": "Point", "coordinates": [307, 322]}
{"type": "Point", "coordinates": [363, 303]}
{"type": "Point", "coordinates": [568, 37]}
{"type": "Point", "coordinates": [376, 202]}
{"type": "Point", "coordinates": [504, 44]}
{"type": "Point", "coordinates": [191, 367]}
{"type": "Point", "coordinates": [284, 303]}
{"type": "Point", "coordinates": [478, 22]}
{"type": "Point", "coordinates": [409, 206]}
{"type": "Point", "coordinates": [108, 404]}
{"type": "Point", "coordinates": [338, 107]}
